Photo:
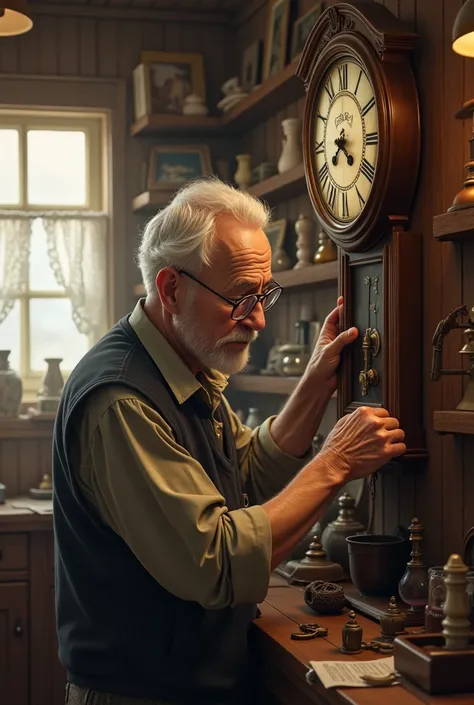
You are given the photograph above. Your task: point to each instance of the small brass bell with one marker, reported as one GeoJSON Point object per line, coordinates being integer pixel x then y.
{"type": "Point", "coordinates": [392, 622]}
{"type": "Point", "coordinates": [351, 636]}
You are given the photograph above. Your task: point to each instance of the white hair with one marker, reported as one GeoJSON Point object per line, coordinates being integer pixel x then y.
{"type": "Point", "coordinates": [181, 235]}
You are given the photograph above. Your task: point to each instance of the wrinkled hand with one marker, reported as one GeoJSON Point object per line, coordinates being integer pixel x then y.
{"type": "Point", "coordinates": [326, 356]}
{"type": "Point", "coordinates": [362, 442]}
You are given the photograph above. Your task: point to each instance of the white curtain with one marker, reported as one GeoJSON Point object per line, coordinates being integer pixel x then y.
{"type": "Point", "coordinates": [15, 233]}
{"type": "Point", "coordinates": [77, 248]}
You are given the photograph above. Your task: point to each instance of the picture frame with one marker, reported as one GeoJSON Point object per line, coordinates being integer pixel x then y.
{"type": "Point", "coordinates": [276, 234]}
{"type": "Point", "coordinates": [171, 166]}
{"type": "Point", "coordinates": [276, 37]}
{"type": "Point", "coordinates": [301, 29]}
{"type": "Point", "coordinates": [252, 66]}
{"type": "Point", "coordinates": [165, 80]}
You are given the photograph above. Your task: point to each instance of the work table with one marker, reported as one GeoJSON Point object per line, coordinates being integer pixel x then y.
{"type": "Point", "coordinates": [282, 663]}
{"type": "Point", "coordinates": [31, 674]}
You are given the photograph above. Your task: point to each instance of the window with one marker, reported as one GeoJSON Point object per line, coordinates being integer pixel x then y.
{"type": "Point", "coordinates": [53, 239]}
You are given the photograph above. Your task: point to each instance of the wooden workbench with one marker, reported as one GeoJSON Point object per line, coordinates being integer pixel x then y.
{"type": "Point", "coordinates": [281, 664]}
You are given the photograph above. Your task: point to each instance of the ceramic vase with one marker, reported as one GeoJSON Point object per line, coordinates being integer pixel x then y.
{"type": "Point", "coordinates": [291, 154]}
{"type": "Point", "coordinates": [304, 243]}
{"type": "Point", "coordinates": [243, 176]}
{"type": "Point", "coordinates": [254, 418]}
{"type": "Point", "coordinates": [53, 380]}
{"type": "Point", "coordinates": [11, 388]}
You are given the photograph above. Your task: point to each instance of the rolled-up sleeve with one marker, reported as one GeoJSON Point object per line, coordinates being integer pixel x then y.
{"type": "Point", "coordinates": [160, 500]}
{"type": "Point", "coordinates": [264, 468]}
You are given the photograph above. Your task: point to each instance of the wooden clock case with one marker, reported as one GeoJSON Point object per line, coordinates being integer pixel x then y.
{"type": "Point", "coordinates": [380, 266]}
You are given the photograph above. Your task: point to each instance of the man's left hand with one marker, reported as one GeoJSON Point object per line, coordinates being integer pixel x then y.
{"type": "Point", "coordinates": [322, 367]}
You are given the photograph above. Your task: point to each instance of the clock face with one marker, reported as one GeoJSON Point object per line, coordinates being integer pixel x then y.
{"type": "Point", "coordinates": [346, 140]}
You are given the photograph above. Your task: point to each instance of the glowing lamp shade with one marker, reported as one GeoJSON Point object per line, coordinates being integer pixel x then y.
{"type": "Point", "coordinates": [14, 18]}
{"type": "Point", "coordinates": [463, 30]}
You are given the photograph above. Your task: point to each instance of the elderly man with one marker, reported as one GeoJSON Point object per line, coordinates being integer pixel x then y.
{"type": "Point", "coordinates": [169, 514]}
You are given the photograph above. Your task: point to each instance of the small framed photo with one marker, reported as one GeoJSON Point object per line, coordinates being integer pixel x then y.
{"type": "Point", "coordinates": [301, 29]}
{"type": "Point", "coordinates": [276, 233]}
{"type": "Point", "coordinates": [276, 39]}
{"type": "Point", "coordinates": [172, 165]}
{"type": "Point", "coordinates": [163, 81]}
{"type": "Point", "coordinates": [252, 66]}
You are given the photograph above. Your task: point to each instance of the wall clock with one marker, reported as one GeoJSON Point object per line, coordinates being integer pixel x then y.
{"type": "Point", "coordinates": [361, 144]}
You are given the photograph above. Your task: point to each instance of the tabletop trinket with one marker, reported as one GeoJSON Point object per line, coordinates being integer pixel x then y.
{"type": "Point", "coordinates": [324, 597]}
{"type": "Point", "coordinates": [351, 636]}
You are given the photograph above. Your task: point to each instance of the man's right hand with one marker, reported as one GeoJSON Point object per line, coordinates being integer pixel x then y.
{"type": "Point", "coordinates": [362, 442]}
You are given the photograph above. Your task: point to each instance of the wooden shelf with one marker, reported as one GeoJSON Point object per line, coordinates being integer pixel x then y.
{"type": "Point", "coordinates": [265, 101]}
{"type": "Point", "coordinates": [458, 225]}
{"type": "Point", "coordinates": [264, 384]}
{"type": "Point", "coordinates": [149, 200]}
{"type": "Point", "coordinates": [292, 278]}
{"type": "Point", "coordinates": [461, 422]}
{"type": "Point", "coordinates": [177, 126]}
{"type": "Point", "coordinates": [281, 187]}
{"type": "Point", "coordinates": [316, 274]}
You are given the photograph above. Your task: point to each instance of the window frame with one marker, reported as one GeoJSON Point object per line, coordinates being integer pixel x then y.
{"type": "Point", "coordinates": [94, 125]}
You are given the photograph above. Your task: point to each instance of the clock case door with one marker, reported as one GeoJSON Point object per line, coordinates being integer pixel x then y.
{"type": "Point", "coordinates": [378, 254]}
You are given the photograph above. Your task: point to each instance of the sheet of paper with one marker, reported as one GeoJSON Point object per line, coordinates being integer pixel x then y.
{"type": "Point", "coordinates": [347, 674]}
{"type": "Point", "coordinates": [39, 506]}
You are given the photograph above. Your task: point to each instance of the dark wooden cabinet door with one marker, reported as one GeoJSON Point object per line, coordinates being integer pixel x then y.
{"type": "Point", "coordinates": [48, 677]}
{"type": "Point", "coordinates": [14, 640]}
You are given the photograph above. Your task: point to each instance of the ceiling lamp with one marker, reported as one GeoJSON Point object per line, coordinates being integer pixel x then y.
{"type": "Point", "coordinates": [463, 30]}
{"type": "Point", "coordinates": [14, 18]}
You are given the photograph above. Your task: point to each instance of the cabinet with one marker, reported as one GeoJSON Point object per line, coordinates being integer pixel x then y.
{"type": "Point", "coordinates": [30, 672]}
{"type": "Point", "coordinates": [14, 643]}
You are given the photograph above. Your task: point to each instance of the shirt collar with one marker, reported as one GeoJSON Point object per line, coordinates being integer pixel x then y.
{"type": "Point", "coordinates": [177, 374]}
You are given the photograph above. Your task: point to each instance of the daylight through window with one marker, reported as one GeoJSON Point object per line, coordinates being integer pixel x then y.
{"type": "Point", "coordinates": [53, 239]}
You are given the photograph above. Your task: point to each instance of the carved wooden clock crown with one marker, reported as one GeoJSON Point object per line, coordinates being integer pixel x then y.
{"type": "Point", "coordinates": [355, 64]}
{"type": "Point", "coordinates": [361, 139]}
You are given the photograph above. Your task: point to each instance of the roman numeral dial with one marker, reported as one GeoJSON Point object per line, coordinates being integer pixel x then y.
{"type": "Point", "coordinates": [346, 140]}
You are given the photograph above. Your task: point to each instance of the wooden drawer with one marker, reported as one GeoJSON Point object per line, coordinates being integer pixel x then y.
{"type": "Point", "coordinates": [13, 552]}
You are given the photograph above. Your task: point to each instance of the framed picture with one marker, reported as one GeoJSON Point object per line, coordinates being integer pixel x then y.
{"type": "Point", "coordinates": [276, 233]}
{"type": "Point", "coordinates": [172, 165]}
{"type": "Point", "coordinates": [276, 39]}
{"type": "Point", "coordinates": [301, 29]}
{"type": "Point", "coordinates": [170, 77]}
{"type": "Point", "coordinates": [252, 66]}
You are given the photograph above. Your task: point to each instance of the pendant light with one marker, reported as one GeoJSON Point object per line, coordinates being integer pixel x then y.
{"type": "Point", "coordinates": [14, 18]}
{"type": "Point", "coordinates": [463, 30]}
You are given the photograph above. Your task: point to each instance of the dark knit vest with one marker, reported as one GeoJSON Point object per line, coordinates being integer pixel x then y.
{"type": "Point", "coordinates": [119, 630]}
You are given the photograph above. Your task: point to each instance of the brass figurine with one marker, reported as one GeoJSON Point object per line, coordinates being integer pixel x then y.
{"type": "Point", "coordinates": [442, 329]}
{"type": "Point", "coordinates": [351, 636]}
{"type": "Point", "coordinates": [46, 483]}
{"type": "Point", "coordinates": [465, 198]}
{"type": "Point", "coordinates": [392, 624]}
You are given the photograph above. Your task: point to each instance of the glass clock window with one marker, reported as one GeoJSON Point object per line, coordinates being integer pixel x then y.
{"type": "Point", "coordinates": [346, 139]}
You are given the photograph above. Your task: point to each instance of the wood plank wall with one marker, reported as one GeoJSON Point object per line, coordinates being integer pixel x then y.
{"type": "Point", "coordinates": [64, 42]}
{"type": "Point", "coordinates": [443, 495]}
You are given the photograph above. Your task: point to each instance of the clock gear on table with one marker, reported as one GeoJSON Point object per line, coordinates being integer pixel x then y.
{"type": "Point", "coordinates": [361, 150]}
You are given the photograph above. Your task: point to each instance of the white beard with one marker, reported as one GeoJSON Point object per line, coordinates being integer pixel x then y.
{"type": "Point", "coordinates": [212, 354]}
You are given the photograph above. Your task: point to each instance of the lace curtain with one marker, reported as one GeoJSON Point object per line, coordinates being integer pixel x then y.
{"type": "Point", "coordinates": [77, 250]}
{"type": "Point", "coordinates": [14, 260]}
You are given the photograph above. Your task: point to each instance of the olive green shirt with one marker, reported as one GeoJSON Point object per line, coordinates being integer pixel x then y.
{"type": "Point", "coordinates": [160, 500]}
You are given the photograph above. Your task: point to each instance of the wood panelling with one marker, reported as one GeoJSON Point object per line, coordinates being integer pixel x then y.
{"type": "Point", "coordinates": [25, 455]}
